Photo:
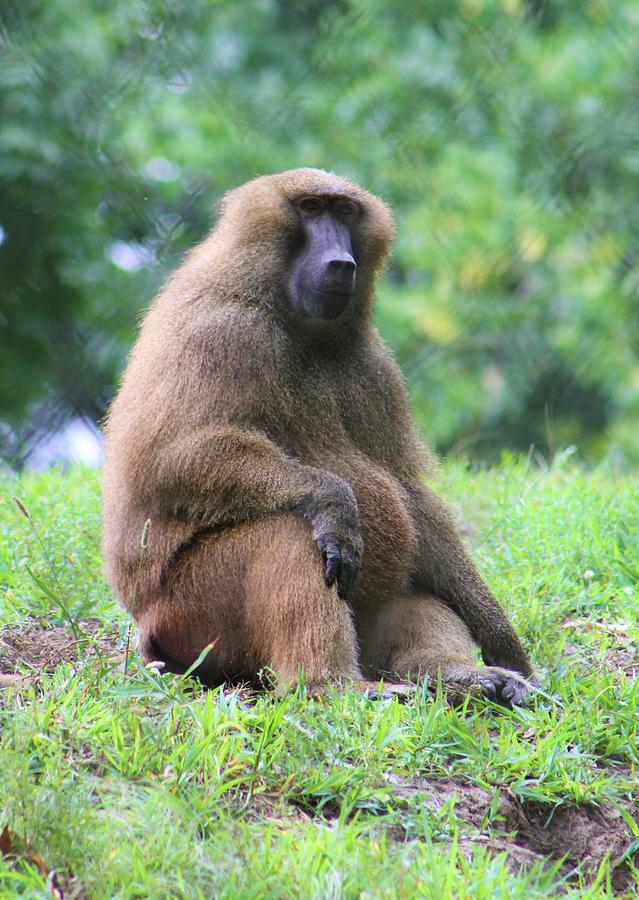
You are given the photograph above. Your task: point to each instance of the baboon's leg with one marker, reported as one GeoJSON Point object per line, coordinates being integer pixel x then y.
{"type": "Point", "coordinates": [257, 592]}
{"type": "Point", "coordinates": [294, 621]}
{"type": "Point", "coordinates": [419, 636]}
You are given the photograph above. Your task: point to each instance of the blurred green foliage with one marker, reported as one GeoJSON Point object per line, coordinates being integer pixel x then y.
{"type": "Point", "coordinates": [504, 134]}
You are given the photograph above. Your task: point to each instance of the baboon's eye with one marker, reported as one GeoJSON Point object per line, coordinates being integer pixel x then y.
{"type": "Point", "coordinates": [345, 208]}
{"type": "Point", "coordinates": [311, 204]}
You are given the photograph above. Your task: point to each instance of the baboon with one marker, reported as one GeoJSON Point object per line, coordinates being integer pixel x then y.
{"type": "Point", "coordinates": [263, 428]}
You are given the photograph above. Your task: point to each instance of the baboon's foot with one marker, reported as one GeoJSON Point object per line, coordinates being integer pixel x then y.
{"type": "Point", "coordinates": [380, 690]}
{"type": "Point", "coordinates": [509, 688]}
{"type": "Point", "coordinates": [372, 690]}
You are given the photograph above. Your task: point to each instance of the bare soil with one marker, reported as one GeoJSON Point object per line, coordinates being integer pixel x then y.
{"type": "Point", "coordinates": [530, 832]}
{"type": "Point", "coordinates": [32, 649]}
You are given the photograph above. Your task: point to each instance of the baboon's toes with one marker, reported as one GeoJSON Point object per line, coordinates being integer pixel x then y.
{"type": "Point", "coordinates": [374, 690]}
{"type": "Point", "coordinates": [503, 685]}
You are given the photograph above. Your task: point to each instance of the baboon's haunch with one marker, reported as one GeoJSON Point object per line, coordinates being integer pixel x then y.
{"type": "Point", "coordinates": [263, 428]}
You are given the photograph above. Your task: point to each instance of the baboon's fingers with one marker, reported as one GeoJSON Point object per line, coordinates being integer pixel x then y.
{"type": "Point", "coordinates": [341, 565]}
{"type": "Point", "coordinates": [332, 557]}
{"type": "Point", "coordinates": [347, 575]}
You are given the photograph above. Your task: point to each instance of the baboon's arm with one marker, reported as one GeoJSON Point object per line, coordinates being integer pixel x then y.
{"type": "Point", "coordinates": [444, 568]}
{"type": "Point", "coordinates": [226, 474]}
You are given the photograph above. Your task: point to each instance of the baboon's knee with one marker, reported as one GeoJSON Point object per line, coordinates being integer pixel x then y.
{"type": "Point", "coordinates": [294, 620]}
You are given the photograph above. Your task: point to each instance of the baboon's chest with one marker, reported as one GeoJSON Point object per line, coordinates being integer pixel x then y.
{"type": "Point", "coordinates": [344, 411]}
{"type": "Point", "coordinates": [346, 426]}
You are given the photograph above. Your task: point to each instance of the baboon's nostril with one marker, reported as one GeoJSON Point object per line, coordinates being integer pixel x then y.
{"type": "Point", "coordinates": [342, 264]}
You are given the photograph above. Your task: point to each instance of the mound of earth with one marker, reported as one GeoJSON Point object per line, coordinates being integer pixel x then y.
{"type": "Point", "coordinates": [529, 831]}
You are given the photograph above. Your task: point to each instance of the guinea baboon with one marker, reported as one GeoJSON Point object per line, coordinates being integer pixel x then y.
{"type": "Point", "coordinates": [263, 428]}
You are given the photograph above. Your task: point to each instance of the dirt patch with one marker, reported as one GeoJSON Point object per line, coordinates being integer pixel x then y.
{"type": "Point", "coordinates": [584, 834]}
{"type": "Point", "coordinates": [532, 832]}
{"type": "Point", "coordinates": [32, 649]}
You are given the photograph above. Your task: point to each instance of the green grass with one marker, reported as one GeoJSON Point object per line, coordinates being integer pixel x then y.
{"type": "Point", "coordinates": [144, 786]}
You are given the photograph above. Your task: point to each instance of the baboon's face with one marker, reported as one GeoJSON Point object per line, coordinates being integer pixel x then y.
{"type": "Point", "coordinates": [324, 272]}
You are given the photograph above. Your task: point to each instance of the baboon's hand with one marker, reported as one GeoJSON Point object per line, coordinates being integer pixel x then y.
{"type": "Point", "coordinates": [342, 557]}
{"type": "Point", "coordinates": [336, 532]}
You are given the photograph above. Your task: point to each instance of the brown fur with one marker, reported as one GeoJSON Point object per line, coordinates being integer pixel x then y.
{"type": "Point", "coordinates": [234, 425]}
